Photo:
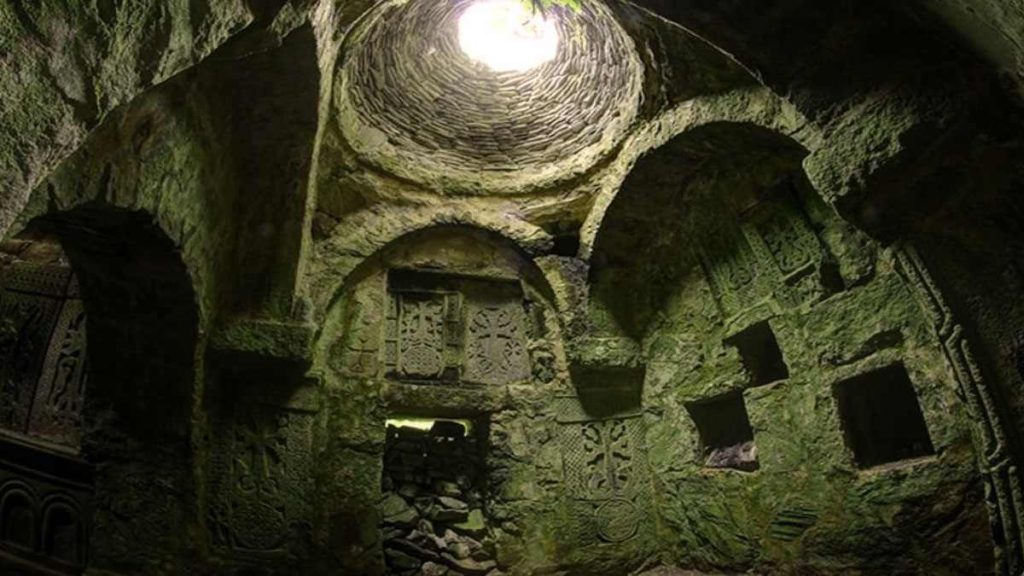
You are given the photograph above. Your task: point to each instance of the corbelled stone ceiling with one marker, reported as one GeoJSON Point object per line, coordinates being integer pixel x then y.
{"type": "Point", "coordinates": [415, 104]}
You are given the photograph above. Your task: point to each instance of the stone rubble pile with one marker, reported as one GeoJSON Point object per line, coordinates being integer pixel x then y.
{"type": "Point", "coordinates": [433, 518]}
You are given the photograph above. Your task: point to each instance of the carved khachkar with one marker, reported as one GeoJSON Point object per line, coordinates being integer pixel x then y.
{"type": "Point", "coordinates": [782, 238]}
{"type": "Point", "coordinates": [421, 335]}
{"type": "Point", "coordinates": [773, 252]}
{"type": "Point", "coordinates": [599, 458]}
{"type": "Point", "coordinates": [730, 267]}
{"type": "Point", "coordinates": [422, 339]}
{"type": "Point", "coordinates": [56, 411]}
{"type": "Point", "coordinates": [1003, 483]}
{"type": "Point", "coordinates": [261, 479]}
{"type": "Point", "coordinates": [601, 462]}
{"type": "Point", "coordinates": [495, 344]}
{"type": "Point", "coordinates": [790, 242]}
{"type": "Point", "coordinates": [363, 316]}
{"type": "Point", "coordinates": [450, 328]}
{"type": "Point", "coordinates": [42, 352]}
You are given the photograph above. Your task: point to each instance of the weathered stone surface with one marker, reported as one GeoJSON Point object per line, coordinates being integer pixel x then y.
{"type": "Point", "coordinates": [474, 524]}
{"type": "Point", "coordinates": [843, 176]}
{"type": "Point", "coordinates": [68, 65]}
{"type": "Point", "coordinates": [433, 569]}
{"type": "Point", "coordinates": [469, 565]}
{"type": "Point", "coordinates": [400, 560]}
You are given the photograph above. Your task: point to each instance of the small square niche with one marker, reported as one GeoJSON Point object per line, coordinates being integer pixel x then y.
{"type": "Point", "coordinates": [761, 354]}
{"type": "Point", "coordinates": [881, 417]}
{"type": "Point", "coordinates": [726, 438]}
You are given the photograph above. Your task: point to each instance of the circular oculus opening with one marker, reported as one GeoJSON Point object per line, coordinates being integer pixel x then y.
{"type": "Point", "coordinates": [422, 97]}
{"type": "Point", "coordinates": [506, 36]}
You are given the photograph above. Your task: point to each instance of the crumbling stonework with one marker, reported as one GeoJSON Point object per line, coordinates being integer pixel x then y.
{"type": "Point", "coordinates": [433, 507]}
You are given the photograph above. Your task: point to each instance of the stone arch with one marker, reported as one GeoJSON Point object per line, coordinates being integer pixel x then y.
{"type": "Point", "coordinates": [154, 156]}
{"type": "Point", "coordinates": [143, 363]}
{"type": "Point", "coordinates": [759, 109]}
{"type": "Point", "coordinates": [513, 236]}
{"type": "Point", "coordinates": [367, 375]}
{"type": "Point", "coordinates": [655, 204]}
{"type": "Point", "coordinates": [18, 515]}
{"type": "Point", "coordinates": [363, 235]}
{"type": "Point", "coordinates": [945, 342]}
{"type": "Point", "coordinates": [63, 534]}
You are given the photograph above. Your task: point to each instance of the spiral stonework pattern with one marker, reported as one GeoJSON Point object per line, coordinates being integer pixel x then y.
{"type": "Point", "coordinates": [414, 105]}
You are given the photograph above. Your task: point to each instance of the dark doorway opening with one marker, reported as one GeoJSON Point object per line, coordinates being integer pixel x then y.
{"type": "Point", "coordinates": [433, 510]}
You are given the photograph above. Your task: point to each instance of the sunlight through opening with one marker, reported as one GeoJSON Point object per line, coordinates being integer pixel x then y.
{"type": "Point", "coordinates": [506, 36]}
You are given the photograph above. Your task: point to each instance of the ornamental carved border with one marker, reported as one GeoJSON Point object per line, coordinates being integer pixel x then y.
{"type": "Point", "coordinates": [43, 368]}
{"type": "Point", "coordinates": [444, 328]}
{"type": "Point", "coordinates": [1003, 483]}
{"type": "Point", "coordinates": [603, 472]}
{"type": "Point", "coordinates": [46, 520]}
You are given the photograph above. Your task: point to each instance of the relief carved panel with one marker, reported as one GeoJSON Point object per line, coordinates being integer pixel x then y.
{"type": "Point", "coordinates": [45, 520]}
{"type": "Point", "coordinates": [456, 329]}
{"type": "Point", "coordinates": [364, 315]}
{"type": "Point", "coordinates": [261, 472]}
{"type": "Point", "coordinates": [789, 240]}
{"type": "Point", "coordinates": [42, 353]}
{"type": "Point", "coordinates": [421, 338]}
{"type": "Point", "coordinates": [602, 475]}
{"type": "Point", "coordinates": [495, 344]}
{"type": "Point", "coordinates": [731, 268]}
{"type": "Point", "coordinates": [57, 408]}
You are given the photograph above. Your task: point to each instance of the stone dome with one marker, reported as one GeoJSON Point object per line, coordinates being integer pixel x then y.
{"type": "Point", "coordinates": [413, 104]}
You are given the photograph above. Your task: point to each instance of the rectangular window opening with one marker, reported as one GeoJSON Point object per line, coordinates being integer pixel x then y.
{"type": "Point", "coordinates": [726, 437]}
{"type": "Point", "coordinates": [761, 354]}
{"type": "Point", "coordinates": [447, 426]}
{"type": "Point", "coordinates": [881, 417]}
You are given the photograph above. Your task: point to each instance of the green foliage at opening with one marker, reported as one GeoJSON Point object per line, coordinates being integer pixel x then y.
{"type": "Point", "coordinates": [543, 6]}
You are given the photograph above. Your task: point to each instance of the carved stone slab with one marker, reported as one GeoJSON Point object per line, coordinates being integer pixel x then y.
{"type": "Point", "coordinates": [261, 480]}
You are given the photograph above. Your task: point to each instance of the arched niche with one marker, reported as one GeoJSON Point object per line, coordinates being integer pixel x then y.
{"type": "Point", "coordinates": [125, 471]}
{"type": "Point", "coordinates": [777, 339]}
{"type": "Point", "coordinates": [63, 535]}
{"type": "Point", "coordinates": [18, 517]}
{"type": "Point", "coordinates": [465, 273]}
{"type": "Point", "coordinates": [427, 295]}
{"type": "Point", "coordinates": [681, 200]}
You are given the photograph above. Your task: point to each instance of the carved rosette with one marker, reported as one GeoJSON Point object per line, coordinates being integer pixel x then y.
{"type": "Point", "coordinates": [617, 520]}
{"type": "Point", "coordinates": [600, 461]}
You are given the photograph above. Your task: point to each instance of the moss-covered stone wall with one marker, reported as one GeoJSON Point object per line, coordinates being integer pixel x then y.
{"type": "Point", "coordinates": [543, 500]}
{"type": "Point", "coordinates": [711, 276]}
{"type": "Point", "coordinates": [767, 325]}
